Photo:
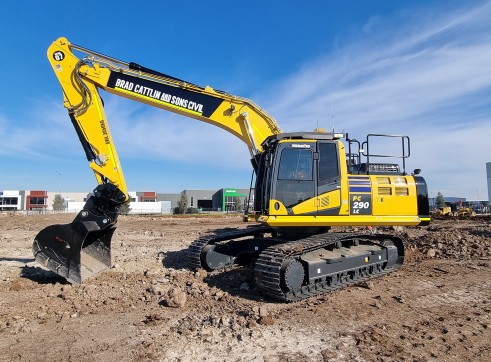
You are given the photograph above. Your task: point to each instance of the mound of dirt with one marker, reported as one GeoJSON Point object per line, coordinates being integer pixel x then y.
{"type": "Point", "coordinates": [149, 306]}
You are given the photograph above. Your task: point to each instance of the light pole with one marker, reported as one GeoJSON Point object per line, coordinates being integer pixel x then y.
{"type": "Point", "coordinates": [61, 178]}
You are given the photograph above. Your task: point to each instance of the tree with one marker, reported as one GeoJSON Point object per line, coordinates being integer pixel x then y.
{"type": "Point", "coordinates": [58, 203]}
{"type": "Point", "coordinates": [182, 204]}
{"type": "Point", "coordinates": [238, 204]}
{"type": "Point", "coordinates": [440, 200]}
{"type": "Point", "coordinates": [124, 209]}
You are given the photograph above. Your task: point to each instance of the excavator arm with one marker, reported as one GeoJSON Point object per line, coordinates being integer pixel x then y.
{"type": "Point", "coordinates": [81, 79]}
{"type": "Point", "coordinates": [82, 248]}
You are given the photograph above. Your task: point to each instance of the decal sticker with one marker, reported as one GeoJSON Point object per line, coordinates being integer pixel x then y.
{"type": "Point", "coordinates": [58, 55]}
{"type": "Point", "coordinates": [360, 204]}
{"type": "Point", "coordinates": [178, 98]}
{"type": "Point", "coordinates": [359, 184]}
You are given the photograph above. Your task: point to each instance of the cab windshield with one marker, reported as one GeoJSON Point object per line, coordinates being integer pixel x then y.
{"type": "Point", "coordinates": [295, 164]}
{"type": "Point", "coordinates": [295, 182]}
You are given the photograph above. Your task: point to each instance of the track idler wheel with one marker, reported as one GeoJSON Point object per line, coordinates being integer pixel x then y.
{"type": "Point", "coordinates": [213, 259]}
{"type": "Point", "coordinates": [292, 275]}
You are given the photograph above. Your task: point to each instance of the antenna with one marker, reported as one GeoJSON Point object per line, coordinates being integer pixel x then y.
{"type": "Point", "coordinates": [332, 114]}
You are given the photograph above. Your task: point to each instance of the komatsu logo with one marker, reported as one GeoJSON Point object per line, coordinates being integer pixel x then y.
{"type": "Point", "coordinates": [158, 95]}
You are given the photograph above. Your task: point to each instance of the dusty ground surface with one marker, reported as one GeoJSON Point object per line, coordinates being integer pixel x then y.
{"type": "Point", "coordinates": [150, 307]}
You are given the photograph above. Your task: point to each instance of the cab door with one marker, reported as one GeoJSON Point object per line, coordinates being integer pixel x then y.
{"type": "Point", "coordinates": [328, 178]}
{"type": "Point", "coordinates": [294, 188]}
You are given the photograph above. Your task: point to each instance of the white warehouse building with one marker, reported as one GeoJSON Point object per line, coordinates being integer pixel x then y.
{"type": "Point", "coordinates": [42, 201]}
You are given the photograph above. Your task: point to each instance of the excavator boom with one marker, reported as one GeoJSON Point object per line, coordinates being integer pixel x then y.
{"type": "Point", "coordinates": [82, 248]}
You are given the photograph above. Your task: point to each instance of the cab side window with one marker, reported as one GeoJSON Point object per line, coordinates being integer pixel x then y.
{"type": "Point", "coordinates": [328, 163]}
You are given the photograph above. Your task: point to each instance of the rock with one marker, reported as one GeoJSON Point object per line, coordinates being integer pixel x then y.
{"type": "Point", "coordinates": [250, 324]}
{"type": "Point", "coordinates": [162, 280]}
{"type": "Point", "coordinates": [201, 273]}
{"type": "Point", "coordinates": [176, 298]}
{"type": "Point", "coordinates": [159, 289]}
{"type": "Point", "coordinates": [263, 311]}
{"type": "Point", "coordinates": [214, 320]}
{"type": "Point", "coordinates": [431, 253]}
{"type": "Point", "coordinates": [224, 321]}
{"type": "Point", "coordinates": [266, 320]}
{"type": "Point", "coordinates": [219, 295]}
{"type": "Point", "coordinates": [171, 274]}
{"type": "Point", "coordinates": [327, 354]}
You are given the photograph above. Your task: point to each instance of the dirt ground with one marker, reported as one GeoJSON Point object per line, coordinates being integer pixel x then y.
{"type": "Point", "coordinates": [149, 307]}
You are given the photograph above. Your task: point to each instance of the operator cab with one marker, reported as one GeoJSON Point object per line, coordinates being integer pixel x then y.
{"type": "Point", "coordinates": [296, 167]}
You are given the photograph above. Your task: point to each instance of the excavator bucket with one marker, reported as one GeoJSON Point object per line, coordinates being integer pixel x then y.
{"type": "Point", "coordinates": [81, 249]}
{"type": "Point", "coordinates": [74, 251]}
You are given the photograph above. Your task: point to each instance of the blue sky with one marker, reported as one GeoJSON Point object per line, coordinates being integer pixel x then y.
{"type": "Point", "coordinates": [419, 68]}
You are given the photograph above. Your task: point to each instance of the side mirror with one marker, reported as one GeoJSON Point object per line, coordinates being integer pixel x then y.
{"type": "Point", "coordinates": [416, 171]}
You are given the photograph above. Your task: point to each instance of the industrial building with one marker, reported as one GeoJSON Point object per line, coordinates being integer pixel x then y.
{"type": "Point", "coordinates": [15, 200]}
{"type": "Point", "coordinates": [141, 202]}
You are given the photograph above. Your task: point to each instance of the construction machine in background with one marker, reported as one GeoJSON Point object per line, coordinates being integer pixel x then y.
{"type": "Point", "coordinates": [443, 211]}
{"type": "Point", "coordinates": [464, 212]}
{"type": "Point", "coordinates": [457, 212]}
{"type": "Point", "coordinates": [304, 183]}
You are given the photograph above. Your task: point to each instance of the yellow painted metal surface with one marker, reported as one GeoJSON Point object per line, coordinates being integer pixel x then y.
{"type": "Point", "coordinates": [394, 195]}
{"type": "Point", "coordinates": [87, 108]}
{"type": "Point", "coordinates": [300, 220]}
{"type": "Point", "coordinates": [81, 81]}
{"type": "Point", "coordinates": [392, 200]}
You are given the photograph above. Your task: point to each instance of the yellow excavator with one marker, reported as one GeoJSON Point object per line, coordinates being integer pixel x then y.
{"type": "Point", "coordinates": [303, 184]}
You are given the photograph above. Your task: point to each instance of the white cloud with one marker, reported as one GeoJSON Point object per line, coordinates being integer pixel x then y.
{"type": "Point", "coordinates": [49, 135]}
{"type": "Point", "coordinates": [428, 79]}
{"type": "Point", "coordinates": [455, 159]}
{"type": "Point", "coordinates": [139, 132]}
{"type": "Point", "coordinates": [146, 133]}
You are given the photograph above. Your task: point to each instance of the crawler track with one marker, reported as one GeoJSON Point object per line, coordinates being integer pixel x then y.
{"type": "Point", "coordinates": [283, 269]}
{"type": "Point", "coordinates": [270, 265]}
{"type": "Point", "coordinates": [194, 253]}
